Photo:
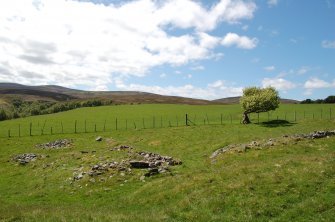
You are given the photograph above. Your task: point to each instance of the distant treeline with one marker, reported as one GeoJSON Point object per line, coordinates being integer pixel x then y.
{"type": "Point", "coordinates": [18, 108]}
{"type": "Point", "coordinates": [329, 99]}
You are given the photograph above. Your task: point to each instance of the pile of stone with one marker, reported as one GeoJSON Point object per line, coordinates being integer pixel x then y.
{"type": "Point", "coordinates": [271, 142]}
{"type": "Point", "coordinates": [152, 162]}
{"type": "Point", "coordinates": [25, 158]}
{"type": "Point", "coordinates": [55, 144]}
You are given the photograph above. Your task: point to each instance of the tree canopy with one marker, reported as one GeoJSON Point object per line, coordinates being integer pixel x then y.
{"type": "Point", "coordinates": [256, 100]}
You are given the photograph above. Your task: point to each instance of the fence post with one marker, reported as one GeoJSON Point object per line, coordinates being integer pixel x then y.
{"type": "Point", "coordinates": [30, 126]}
{"type": "Point", "coordinates": [19, 130]}
{"type": "Point", "coordinates": [95, 127]}
{"type": "Point", "coordinates": [231, 119]}
{"type": "Point", "coordinates": [207, 118]}
{"type": "Point", "coordinates": [51, 130]}
{"type": "Point", "coordinates": [153, 121]}
{"type": "Point", "coordinates": [61, 123]}
{"type": "Point", "coordinates": [75, 126]}
{"type": "Point", "coordinates": [143, 123]}
{"type": "Point", "coordinates": [134, 125]}
{"type": "Point", "coordinates": [295, 116]}
{"type": "Point", "coordinates": [115, 123]}
{"type": "Point", "coordinates": [105, 126]}
{"type": "Point", "coordinates": [186, 120]}
{"type": "Point", "coordinates": [221, 118]}
{"type": "Point", "coordinates": [9, 133]}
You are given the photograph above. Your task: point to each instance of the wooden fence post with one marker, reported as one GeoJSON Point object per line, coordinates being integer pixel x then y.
{"type": "Point", "coordinates": [221, 118]}
{"type": "Point", "coordinates": [135, 125]}
{"type": "Point", "coordinates": [95, 127]}
{"type": "Point", "coordinates": [105, 126]}
{"type": "Point", "coordinates": [19, 130]}
{"type": "Point", "coordinates": [153, 121]}
{"type": "Point", "coordinates": [51, 130]}
{"type": "Point", "coordinates": [186, 119]}
{"type": "Point", "coordinates": [75, 126]}
{"type": "Point", "coordinates": [207, 118]}
{"type": "Point", "coordinates": [30, 126]}
{"type": "Point", "coordinates": [231, 118]}
{"type": "Point", "coordinates": [143, 123]}
{"type": "Point", "coordinates": [115, 123]}
{"type": "Point", "coordinates": [61, 123]}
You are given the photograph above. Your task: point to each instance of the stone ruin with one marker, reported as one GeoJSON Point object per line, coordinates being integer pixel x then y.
{"type": "Point", "coordinates": [55, 144]}
{"type": "Point", "coordinates": [153, 163]}
{"type": "Point", "coordinates": [25, 158]}
{"type": "Point", "coordinates": [271, 142]}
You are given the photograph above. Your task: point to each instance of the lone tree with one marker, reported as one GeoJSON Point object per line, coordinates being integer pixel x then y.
{"type": "Point", "coordinates": [257, 100]}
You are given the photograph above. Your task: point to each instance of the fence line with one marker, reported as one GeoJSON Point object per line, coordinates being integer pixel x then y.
{"type": "Point", "coordinates": [85, 126]}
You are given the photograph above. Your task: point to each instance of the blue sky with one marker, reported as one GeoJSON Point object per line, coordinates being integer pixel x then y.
{"type": "Point", "coordinates": [201, 49]}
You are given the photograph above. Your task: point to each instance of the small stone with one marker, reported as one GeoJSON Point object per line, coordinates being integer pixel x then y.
{"type": "Point", "coordinates": [99, 138]}
{"type": "Point", "coordinates": [142, 178]}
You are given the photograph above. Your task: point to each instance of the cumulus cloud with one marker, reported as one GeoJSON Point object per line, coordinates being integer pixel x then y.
{"type": "Point", "coordinates": [328, 44]}
{"type": "Point", "coordinates": [75, 43]}
{"type": "Point", "coordinates": [316, 83]}
{"type": "Point", "coordinates": [278, 83]}
{"type": "Point", "coordinates": [213, 90]}
{"type": "Point", "coordinates": [269, 68]}
{"type": "Point", "coordinates": [242, 42]}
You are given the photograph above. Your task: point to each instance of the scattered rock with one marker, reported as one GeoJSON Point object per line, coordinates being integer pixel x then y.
{"type": "Point", "coordinates": [99, 138]}
{"type": "Point", "coordinates": [55, 144]}
{"type": "Point", "coordinates": [284, 140]}
{"type": "Point", "coordinates": [25, 158]}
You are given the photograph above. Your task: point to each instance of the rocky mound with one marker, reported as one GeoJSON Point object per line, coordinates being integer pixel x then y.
{"type": "Point", "coordinates": [25, 158]}
{"type": "Point", "coordinates": [55, 144]}
{"type": "Point", "coordinates": [153, 163]}
{"type": "Point", "coordinates": [286, 139]}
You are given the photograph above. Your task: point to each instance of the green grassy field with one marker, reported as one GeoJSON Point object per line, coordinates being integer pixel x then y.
{"type": "Point", "coordinates": [292, 182]}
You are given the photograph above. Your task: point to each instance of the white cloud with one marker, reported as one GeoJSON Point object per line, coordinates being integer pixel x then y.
{"type": "Point", "coordinates": [214, 90]}
{"type": "Point", "coordinates": [272, 3]}
{"type": "Point", "coordinates": [315, 83]}
{"type": "Point", "coordinates": [245, 27]}
{"type": "Point", "coordinates": [278, 83]}
{"type": "Point", "coordinates": [328, 44]}
{"type": "Point", "coordinates": [163, 75]}
{"type": "Point", "coordinates": [80, 43]}
{"type": "Point", "coordinates": [269, 68]}
{"type": "Point", "coordinates": [243, 42]}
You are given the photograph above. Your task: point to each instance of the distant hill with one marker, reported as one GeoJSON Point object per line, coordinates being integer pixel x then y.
{"type": "Point", "coordinates": [236, 100]}
{"type": "Point", "coordinates": [57, 93]}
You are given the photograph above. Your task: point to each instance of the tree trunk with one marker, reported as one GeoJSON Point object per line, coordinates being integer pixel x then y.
{"type": "Point", "coordinates": [245, 119]}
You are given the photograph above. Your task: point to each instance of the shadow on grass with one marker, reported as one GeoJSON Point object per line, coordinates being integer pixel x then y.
{"type": "Point", "coordinates": [276, 123]}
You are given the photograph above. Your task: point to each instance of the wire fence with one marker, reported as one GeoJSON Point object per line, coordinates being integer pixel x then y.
{"type": "Point", "coordinates": [118, 124]}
